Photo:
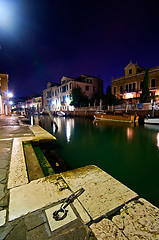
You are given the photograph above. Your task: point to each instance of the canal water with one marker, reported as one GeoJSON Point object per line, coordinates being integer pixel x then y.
{"type": "Point", "coordinates": [129, 153]}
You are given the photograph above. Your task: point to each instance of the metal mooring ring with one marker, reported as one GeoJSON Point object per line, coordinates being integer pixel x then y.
{"type": "Point", "coordinates": [58, 216]}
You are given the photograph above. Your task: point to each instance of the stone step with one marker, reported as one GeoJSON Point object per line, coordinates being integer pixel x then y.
{"type": "Point", "coordinates": [33, 167]}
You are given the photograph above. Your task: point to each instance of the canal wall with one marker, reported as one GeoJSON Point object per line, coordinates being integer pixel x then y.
{"type": "Point", "coordinates": [90, 113]}
{"type": "Point", "coordinates": [107, 209]}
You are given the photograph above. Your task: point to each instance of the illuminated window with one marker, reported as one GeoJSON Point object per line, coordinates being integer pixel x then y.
{"type": "Point", "coordinates": [153, 82]}
{"type": "Point", "coordinates": [130, 71]}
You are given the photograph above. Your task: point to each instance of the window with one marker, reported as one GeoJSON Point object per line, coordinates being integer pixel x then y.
{"type": "Point", "coordinates": [87, 88]}
{"type": "Point", "coordinates": [121, 89]}
{"type": "Point", "coordinates": [67, 87]}
{"type": "Point", "coordinates": [126, 87]}
{"type": "Point", "coordinates": [130, 71]}
{"type": "Point", "coordinates": [153, 82]}
{"type": "Point", "coordinates": [64, 88]}
{"type": "Point", "coordinates": [70, 85]}
{"type": "Point", "coordinates": [114, 90]}
{"type": "Point", "coordinates": [130, 90]}
{"type": "Point", "coordinates": [134, 86]}
{"type": "Point", "coordinates": [49, 94]}
{"type": "Point", "coordinates": [52, 93]}
{"type": "Point", "coordinates": [94, 89]}
{"type": "Point", "coordinates": [141, 84]}
{"type": "Point", "coordinates": [55, 92]}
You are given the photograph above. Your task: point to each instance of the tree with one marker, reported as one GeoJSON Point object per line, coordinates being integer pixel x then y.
{"type": "Point", "coordinates": [145, 96]}
{"type": "Point", "coordinates": [79, 99]}
{"type": "Point", "coordinates": [109, 98]}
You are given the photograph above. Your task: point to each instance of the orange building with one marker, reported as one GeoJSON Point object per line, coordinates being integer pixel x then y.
{"type": "Point", "coordinates": [130, 85]}
{"type": "Point", "coordinates": [4, 107]}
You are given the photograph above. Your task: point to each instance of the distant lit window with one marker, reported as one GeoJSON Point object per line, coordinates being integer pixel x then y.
{"type": "Point", "coordinates": [114, 90]}
{"type": "Point", "coordinates": [141, 84]}
{"type": "Point", "coordinates": [87, 88]}
{"type": "Point", "coordinates": [121, 89]}
{"type": "Point", "coordinates": [130, 71]}
{"type": "Point", "coordinates": [153, 82]}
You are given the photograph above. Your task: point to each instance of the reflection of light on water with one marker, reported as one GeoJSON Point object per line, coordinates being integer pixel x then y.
{"type": "Point", "coordinates": [54, 128]}
{"type": "Point", "coordinates": [69, 127]}
{"type": "Point", "coordinates": [68, 131]}
{"type": "Point", "coordinates": [58, 122]}
{"type": "Point", "coordinates": [158, 139]}
{"type": "Point", "coordinates": [129, 133]}
{"type": "Point", "coordinates": [32, 120]}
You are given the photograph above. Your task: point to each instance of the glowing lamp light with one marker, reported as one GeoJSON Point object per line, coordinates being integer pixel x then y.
{"type": "Point", "coordinates": [9, 94]}
{"type": "Point", "coordinates": [7, 14]}
{"type": "Point", "coordinates": [129, 95]}
{"type": "Point", "coordinates": [68, 100]}
{"type": "Point", "coordinates": [10, 102]}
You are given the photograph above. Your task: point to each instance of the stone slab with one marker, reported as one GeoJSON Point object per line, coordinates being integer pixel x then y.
{"type": "Point", "coordinates": [35, 195]}
{"type": "Point", "coordinates": [103, 194]}
{"type": "Point", "coordinates": [35, 219]}
{"type": "Point", "coordinates": [40, 133]}
{"type": "Point", "coordinates": [57, 224]}
{"type": "Point", "coordinates": [138, 220]}
{"type": "Point", "coordinates": [3, 174]}
{"type": "Point", "coordinates": [41, 232]}
{"type": "Point", "coordinates": [106, 229]}
{"type": "Point", "coordinates": [2, 217]}
{"type": "Point", "coordinates": [17, 173]}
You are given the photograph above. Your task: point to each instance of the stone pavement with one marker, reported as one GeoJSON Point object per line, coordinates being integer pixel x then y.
{"type": "Point", "coordinates": [106, 210]}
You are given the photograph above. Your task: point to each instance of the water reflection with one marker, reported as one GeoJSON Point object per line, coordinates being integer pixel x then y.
{"type": "Point", "coordinates": [129, 133]}
{"type": "Point", "coordinates": [158, 139]}
{"type": "Point", "coordinates": [120, 149]}
{"type": "Point", "coordinates": [69, 128]}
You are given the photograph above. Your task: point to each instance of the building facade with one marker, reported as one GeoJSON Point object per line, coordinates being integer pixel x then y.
{"type": "Point", "coordinates": [130, 85]}
{"type": "Point", "coordinates": [58, 96]}
{"type": "Point", "coordinates": [4, 99]}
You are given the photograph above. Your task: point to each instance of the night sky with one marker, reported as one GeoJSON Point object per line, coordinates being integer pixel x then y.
{"type": "Point", "coordinates": [43, 40]}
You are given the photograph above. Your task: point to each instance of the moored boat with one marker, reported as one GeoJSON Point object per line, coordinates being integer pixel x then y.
{"type": "Point", "coordinates": [116, 116]}
{"type": "Point", "coordinates": [151, 120]}
{"type": "Point", "coordinates": [61, 114]}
